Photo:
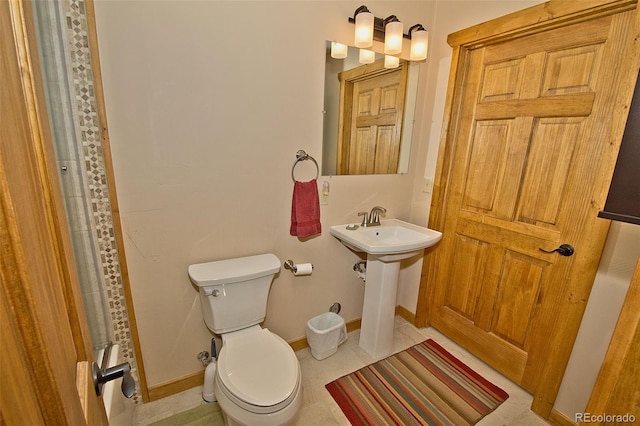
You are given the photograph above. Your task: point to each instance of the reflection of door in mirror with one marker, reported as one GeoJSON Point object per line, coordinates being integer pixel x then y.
{"type": "Point", "coordinates": [370, 122]}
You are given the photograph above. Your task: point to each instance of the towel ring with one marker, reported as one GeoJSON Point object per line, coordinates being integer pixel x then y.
{"type": "Point", "coordinates": [301, 156]}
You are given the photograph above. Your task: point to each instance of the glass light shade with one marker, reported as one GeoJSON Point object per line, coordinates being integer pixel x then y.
{"type": "Point", "coordinates": [393, 38]}
{"type": "Point", "coordinates": [366, 56]}
{"type": "Point", "coordinates": [391, 61]}
{"type": "Point", "coordinates": [419, 45]}
{"type": "Point", "coordinates": [338, 50]}
{"type": "Point", "coordinates": [364, 30]}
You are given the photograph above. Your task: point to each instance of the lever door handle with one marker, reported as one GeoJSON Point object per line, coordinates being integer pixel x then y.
{"type": "Point", "coordinates": [563, 250]}
{"type": "Point", "coordinates": [100, 377]}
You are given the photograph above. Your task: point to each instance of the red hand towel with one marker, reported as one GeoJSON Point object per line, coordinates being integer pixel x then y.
{"type": "Point", "coordinates": [305, 209]}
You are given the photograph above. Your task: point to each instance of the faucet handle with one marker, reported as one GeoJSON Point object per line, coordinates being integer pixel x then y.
{"type": "Point", "coordinates": [365, 219]}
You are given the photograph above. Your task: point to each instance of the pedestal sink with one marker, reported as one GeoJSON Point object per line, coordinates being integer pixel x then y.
{"type": "Point", "coordinates": [385, 245]}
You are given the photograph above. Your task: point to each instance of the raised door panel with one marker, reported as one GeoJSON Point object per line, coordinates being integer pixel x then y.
{"type": "Point", "coordinates": [463, 297]}
{"type": "Point", "coordinates": [486, 163]}
{"type": "Point", "coordinates": [502, 80]}
{"type": "Point", "coordinates": [515, 305]}
{"type": "Point", "coordinates": [583, 62]}
{"type": "Point", "coordinates": [551, 152]}
{"type": "Point", "coordinates": [387, 150]}
{"type": "Point", "coordinates": [362, 151]}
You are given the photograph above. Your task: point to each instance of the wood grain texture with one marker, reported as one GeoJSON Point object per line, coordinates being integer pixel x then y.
{"type": "Point", "coordinates": [548, 105]}
{"type": "Point", "coordinates": [45, 324]}
{"type": "Point", "coordinates": [370, 121]}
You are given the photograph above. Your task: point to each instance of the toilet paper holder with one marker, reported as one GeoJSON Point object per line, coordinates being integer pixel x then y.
{"type": "Point", "coordinates": [288, 264]}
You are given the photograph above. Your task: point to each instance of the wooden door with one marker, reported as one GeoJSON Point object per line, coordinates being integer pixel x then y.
{"type": "Point", "coordinates": [371, 114]}
{"type": "Point", "coordinates": [45, 355]}
{"type": "Point", "coordinates": [530, 151]}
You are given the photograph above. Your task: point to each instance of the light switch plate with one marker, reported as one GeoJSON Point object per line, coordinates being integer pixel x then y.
{"type": "Point", "coordinates": [428, 185]}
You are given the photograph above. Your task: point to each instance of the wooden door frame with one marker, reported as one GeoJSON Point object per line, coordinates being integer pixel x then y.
{"type": "Point", "coordinates": [529, 21]}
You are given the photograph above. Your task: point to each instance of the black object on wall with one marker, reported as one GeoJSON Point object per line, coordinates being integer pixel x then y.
{"type": "Point", "coordinates": [623, 201]}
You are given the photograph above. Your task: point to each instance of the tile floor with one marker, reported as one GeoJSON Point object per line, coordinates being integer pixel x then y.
{"type": "Point", "coordinates": [320, 409]}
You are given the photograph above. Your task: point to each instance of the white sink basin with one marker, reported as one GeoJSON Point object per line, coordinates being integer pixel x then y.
{"type": "Point", "coordinates": [392, 237]}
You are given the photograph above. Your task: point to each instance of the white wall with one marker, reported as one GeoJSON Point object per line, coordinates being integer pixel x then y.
{"type": "Point", "coordinates": [204, 125]}
{"type": "Point", "coordinates": [621, 253]}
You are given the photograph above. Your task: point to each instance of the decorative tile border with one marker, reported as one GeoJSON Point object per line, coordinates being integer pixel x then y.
{"type": "Point", "coordinates": [89, 131]}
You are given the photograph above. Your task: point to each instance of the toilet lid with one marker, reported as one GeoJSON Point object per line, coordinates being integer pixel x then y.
{"type": "Point", "coordinates": [258, 367]}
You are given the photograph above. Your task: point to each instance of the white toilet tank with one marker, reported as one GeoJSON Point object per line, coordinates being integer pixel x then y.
{"type": "Point", "coordinates": [234, 292]}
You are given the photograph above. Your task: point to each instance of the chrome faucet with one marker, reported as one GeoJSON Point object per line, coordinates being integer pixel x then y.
{"type": "Point", "coordinates": [372, 218]}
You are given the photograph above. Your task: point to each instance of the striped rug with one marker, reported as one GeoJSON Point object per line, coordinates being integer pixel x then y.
{"type": "Point", "coordinates": [423, 385]}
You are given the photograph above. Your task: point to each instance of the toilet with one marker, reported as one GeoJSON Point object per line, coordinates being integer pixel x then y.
{"type": "Point", "coordinates": [257, 375]}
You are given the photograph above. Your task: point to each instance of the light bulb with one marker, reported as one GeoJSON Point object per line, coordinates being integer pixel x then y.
{"type": "Point", "coordinates": [393, 38]}
{"type": "Point", "coordinates": [366, 56]}
{"type": "Point", "coordinates": [338, 50]}
{"type": "Point", "coordinates": [364, 29]}
{"type": "Point", "coordinates": [391, 61]}
{"type": "Point", "coordinates": [419, 45]}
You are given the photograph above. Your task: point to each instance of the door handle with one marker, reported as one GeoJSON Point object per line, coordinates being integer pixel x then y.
{"type": "Point", "coordinates": [563, 250]}
{"type": "Point", "coordinates": [100, 377]}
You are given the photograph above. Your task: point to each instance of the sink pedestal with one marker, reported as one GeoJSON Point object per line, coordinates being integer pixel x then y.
{"type": "Point", "coordinates": [379, 310]}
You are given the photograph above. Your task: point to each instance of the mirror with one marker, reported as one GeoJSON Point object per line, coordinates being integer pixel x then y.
{"type": "Point", "coordinates": [368, 115]}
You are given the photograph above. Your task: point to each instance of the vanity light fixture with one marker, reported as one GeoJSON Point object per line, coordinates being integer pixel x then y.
{"type": "Point", "coordinates": [338, 50]}
{"type": "Point", "coordinates": [390, 31]}
{"type": "Point", "coordinates": [419, 43]}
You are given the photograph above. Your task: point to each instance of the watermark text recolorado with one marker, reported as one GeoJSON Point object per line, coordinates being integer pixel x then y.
{"type": "Point", "coordinates": [604, 418]}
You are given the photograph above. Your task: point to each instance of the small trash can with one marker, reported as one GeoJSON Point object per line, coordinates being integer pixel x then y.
{"type": "Point", "coordinates": [324, 333]}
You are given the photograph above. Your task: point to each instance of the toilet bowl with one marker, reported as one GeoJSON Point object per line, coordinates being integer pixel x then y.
{"type": "Point", "coordinates": [257, 378]}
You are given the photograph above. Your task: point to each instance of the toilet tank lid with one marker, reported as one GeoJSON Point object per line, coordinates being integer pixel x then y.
{"type": "Point", "coordinates": [233, 270]}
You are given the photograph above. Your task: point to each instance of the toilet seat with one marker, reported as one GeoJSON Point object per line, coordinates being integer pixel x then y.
{"type": "Point", "coordinates": [258, 370]}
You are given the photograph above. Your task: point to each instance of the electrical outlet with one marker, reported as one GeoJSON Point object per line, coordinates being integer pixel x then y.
{"type": "Point", "coordinates": [428, 185]}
